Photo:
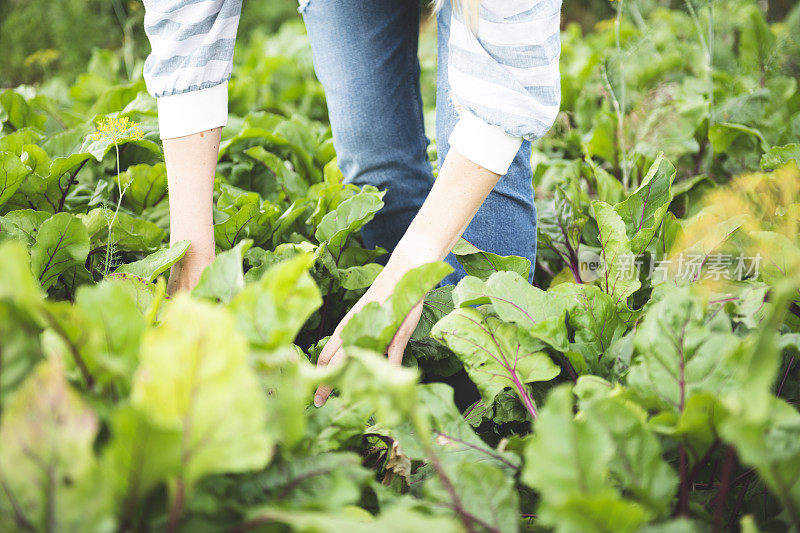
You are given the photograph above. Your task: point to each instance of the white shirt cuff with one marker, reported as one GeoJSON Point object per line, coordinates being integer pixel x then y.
{"type": "Point", "coordinates": [484, 144]}
{"type": "Point", "coordinates": [193, 111]}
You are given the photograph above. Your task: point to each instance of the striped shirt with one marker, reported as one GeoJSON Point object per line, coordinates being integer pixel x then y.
{"type": "Point", "coordinates": [504, 80]}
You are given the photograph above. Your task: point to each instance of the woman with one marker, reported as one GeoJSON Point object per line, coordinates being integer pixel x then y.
{"type": "Point", "coordinates": [498, 90]}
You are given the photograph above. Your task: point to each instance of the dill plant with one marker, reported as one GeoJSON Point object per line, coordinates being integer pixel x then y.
{"type": "Point", "coordinates": [115, 129]}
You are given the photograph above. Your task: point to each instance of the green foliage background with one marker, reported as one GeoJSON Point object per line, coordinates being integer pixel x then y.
{"type": "Point", "coordinates": [612, 399]}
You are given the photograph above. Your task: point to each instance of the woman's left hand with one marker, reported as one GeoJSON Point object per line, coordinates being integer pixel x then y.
{"type": "Point", "coordinates": [458, 191]}
{"type": "Point", "coordinates": [380, 290]}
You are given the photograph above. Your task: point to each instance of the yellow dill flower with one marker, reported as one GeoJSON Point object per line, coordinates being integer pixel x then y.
{"type": "Point", "coordinates": [117, 128]}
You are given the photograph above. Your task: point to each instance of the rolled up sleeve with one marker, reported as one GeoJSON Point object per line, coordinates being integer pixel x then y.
{"type": "Point", "coordinates": [504, 80]}
{"type": "Point", "coordinates": [190, 62]}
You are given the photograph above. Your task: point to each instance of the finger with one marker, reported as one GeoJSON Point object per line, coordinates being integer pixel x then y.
{"type": "Point", "coordinates": [329, 350]}
{"type": "Point", "coordinates": [334, 343]}
{"type": "Point", "coordinates": [400, 340]}
{"type": "Point", "coordinates": [323, 391]}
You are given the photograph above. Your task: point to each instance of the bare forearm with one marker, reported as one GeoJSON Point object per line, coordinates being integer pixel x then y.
{"type": "Point", "coordinates": [191, 163]}
{"type": "Point", "coordinates": [457, 194]}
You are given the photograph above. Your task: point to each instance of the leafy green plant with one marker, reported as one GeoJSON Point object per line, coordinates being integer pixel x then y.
{"type": "Point", "coordinates": [647, 380]}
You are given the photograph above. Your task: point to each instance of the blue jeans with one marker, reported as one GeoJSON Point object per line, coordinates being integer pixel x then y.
{"type": "Point", "coordinates": [365, 56]}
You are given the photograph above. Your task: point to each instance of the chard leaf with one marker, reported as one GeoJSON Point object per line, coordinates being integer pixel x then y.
{"type": "Point", "coordinates": [128, 233]}
{"type": "Point", "coordinates": [224, 277]}
{"type": "Point", "coordinates": [367, 378]}
{"type": "Point", "coordinates": [481, 264]}
{"type": "Point", "coordinates": [375, 325]}
{"type": "Point", "coordinates": [17, 113]}
{"type": "Point", "coordinates": [291, 183]}
{"type": "Point", "coordinates": [595, 319]}
{"type": "Point", "coordinates": [150, 267]}
{"type": "Point", "coordinates": [20, 347]}
{"type": "Point", "coordinates": [47, 464]}
{"type": "Point", "coordinates": [117, 323]}
{"type": "Point", "coordinates": [402, 518]}
{"type": "Point", "coordinates": [326, 481]}
{"type": "Point", "coordinates": [560, 225]}
{"type": "Point", "coordinates": [12, 173]}
{"type": "Point", "coordinates": [350, 215]}
{"type": "Point", "coordinates": [680, 351]}
{"type": "Point", "coordinates": [271, 311]}
{"type": "Point", "coordinates": [454, 439]}
{"type": "Point", "coordinates": [484, 490]}
{"type": "Point", "coordinates": [194, 378]}
{"type": "Point", "coordinates": [139, 456]}
{"type": "Point", "coordinates": [438, 302]}
{"type": "Point", "coordinates": [777, 156]}
{"type": "Point", "coordinates": [618, 274]}
{"type": "Point", "coordinates": [22, 225]}
{"type": "Point", "coordinates": [539, 313]}
{"type": "Point", "coordinates": [249, 219]}
{"type": "Point", "coordinates": [771, 444]}
{"type": "Point", "coordinates": [495, 354]}
{"type": "Point", "coordinates": [637, 463]}
{"type": "Point", "coordinates": [62, 242]}
{"type": "Point", "coordinates": [146, 185]}
{"type": "Point", "coordinates": [359, 277]}
{"type": "Point", "coordinates": [644, 209]}
{"type": "Point", "coordinates": [567, 460]}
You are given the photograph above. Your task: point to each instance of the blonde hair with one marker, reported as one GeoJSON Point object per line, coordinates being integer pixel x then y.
{"type": "Point", "coordinates": [468, 9]}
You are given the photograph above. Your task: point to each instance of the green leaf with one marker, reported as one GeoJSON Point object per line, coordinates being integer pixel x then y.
{"type": "Point", "coordinates": [139, 456]}
{"type": "Point", "coordinates": [128, 233]}
{"type": "Point", "coordinates": [17, 113]}
{"type": "Point", "coordinates": [145, 185]}
{"type": "Point", "coordinates": [350, 215]}
{"type": "Point", "coordinates": [223, 278]}
{"type": "Point", "coordinates": [644, 209]}
{"type": "Point", "coordinates": [62, 242]}
{"type": "Point", "coordinates": [249, 219]}
{"type": "Point", "coordinates": [375, 324]}
{"type": "Point", "coordinates": [326, 481]}
{"type": "Point", "coordinates": [293, 186]}
{"type": "Point", "coordinates": [484, 491]}
{"type": "Point", "coordinates": [560, 224]}
{"type": "Point", "coordinates": [567, 461]}
{"type": "Point", "coordinates": [400, 519]}
{"type": "Point", "coordinates": [284, 222]}
{"type": "Point", "coordinates": [17, 281]}
{"type": "Point", "coordinates": [482, 264]}
{"type": "Point", "coordinates": [595, 319]}
{"type": "Point", "coordinates": [777, 156]}
{"type": "Point", "coordinates": [541, 314]}
{"type": "Point", "coordinates": [680, 351]}
{"type": "Point", "coordinates": [359, 277]}
{"type": "Point", "coordinates": [618, 276]}
{"type": "Point", "coordinates": [48, 185]}
{"type": "Point", "coordinates": [367, 378]}
{"type": "Point", "coordinates": [22, 225]}
{"type": "Point", "coordinates": [438, 302]}
{"type": "Point", "coordinates": [733, 139]}
{"type": "Point", "coordinates": [771, 445]}
{"type": "Point", "coordinates": [637, 463]}
{"type": "Point", "coordinates": [110, 335]}
{"type": "Point", "coordinates": [454, 439]}
{"type": "Point", "coordinates": [150, 267]}
{"type": "Point", "coordinates": [46, 462]}
{"type": "Point", "coordinates": [194, 378]}
{"type": "Point", "coordinates": [12, 173]}
{"type": "Point", "coordinates": [495, 354]}
{"type": "Point", "coordinates": [271, 311]}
